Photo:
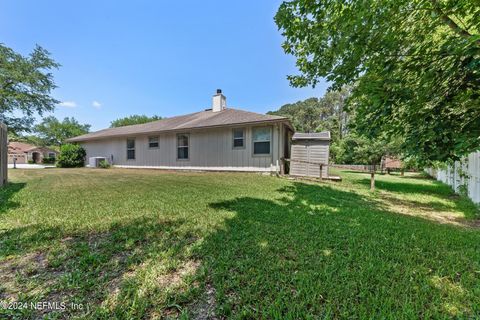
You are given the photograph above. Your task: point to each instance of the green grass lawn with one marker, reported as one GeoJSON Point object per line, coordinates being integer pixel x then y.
{"type": "Point", "coordinates": [133, 244]}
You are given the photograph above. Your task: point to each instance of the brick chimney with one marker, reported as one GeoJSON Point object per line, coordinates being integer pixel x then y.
{"type": "Point", "coordinates": [219, 101]}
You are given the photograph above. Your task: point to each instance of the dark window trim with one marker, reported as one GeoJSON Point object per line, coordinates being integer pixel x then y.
{"type": "Point", "coordinates": [270, 142]}
{"type": "Point", "coordinates": [188, 146]}
{"type": "Point", "coordinates": [243, 137]}
{"type": "Point", "coordinates": [134, 149]}
{"type": "Point", "coordinates": [148, 141]}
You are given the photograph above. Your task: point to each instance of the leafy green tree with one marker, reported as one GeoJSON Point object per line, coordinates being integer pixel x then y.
{"type": "Point", "coordinates": [71, 156]}
{"type": "Point", "coordinates": [133, 119]}
{"type": "Point", "coordinates": [52, 131]}
{"type": "Point", "coordinates": [304, 115]}
{"type": "Point", "coordinates": [347, 149]}
{"type": "Point", "coordinates": [25, 86]}
{"type": "Point", "coordinates": [413, 64]}
{"type": "Point", "coordinates": [323, 114]}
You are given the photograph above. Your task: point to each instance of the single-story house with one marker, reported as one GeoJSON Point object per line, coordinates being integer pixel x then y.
{"type": "Point", "coordinates": [218, 138]}
{"type": "Point", "coordinates": [25, 152]}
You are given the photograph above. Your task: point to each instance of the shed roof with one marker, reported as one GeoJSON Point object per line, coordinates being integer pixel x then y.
{"type": "Point", "coordinates": [324, 135]}
{"type": "Point", "coordinates": [198, 120]}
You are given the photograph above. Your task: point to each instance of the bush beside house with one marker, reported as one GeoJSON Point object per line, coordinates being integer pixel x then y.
{"type": "Point", "coordinates": [71, 156]}
{"type": "Point", "coordinates": [49, 160]}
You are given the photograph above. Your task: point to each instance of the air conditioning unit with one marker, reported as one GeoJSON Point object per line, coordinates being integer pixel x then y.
{"type": "Point", "coordinates": [94, 162]}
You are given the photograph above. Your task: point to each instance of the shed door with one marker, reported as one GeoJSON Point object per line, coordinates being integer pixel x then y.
{"type": "Point", "coordinates": [313, 156]}
{"type": "Point", "coordinates": [312, 152]}
{"type": "Point", "coordinates": [299, 152]}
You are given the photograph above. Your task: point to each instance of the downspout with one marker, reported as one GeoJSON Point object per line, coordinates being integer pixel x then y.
{"type": "Point", "coordinates": [277, 126]}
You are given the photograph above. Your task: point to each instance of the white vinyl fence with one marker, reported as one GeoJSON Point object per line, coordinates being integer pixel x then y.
{"type": "Point", "coordinates": [464, 176]}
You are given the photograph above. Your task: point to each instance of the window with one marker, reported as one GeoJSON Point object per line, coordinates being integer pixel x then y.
{"type": "Point", "coordinates": [261, 140]}
{"type": "Point", "coordinates": [238, 138]}
{"type": "Point", "coordinates": [153, 142]}
{"type": "Point", "coordinates": [130, 149]}
{"type": "Point", "coordinates": [51, 155]}
{"type": "Point", "coordinates": [182, 147]}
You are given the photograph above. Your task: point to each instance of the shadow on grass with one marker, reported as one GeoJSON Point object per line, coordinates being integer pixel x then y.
{"type": "Point", "coordinates": [323, 253]}
{"type": "Point", "coordinates": [87, 268]}
{"type": "Point", "coordinates": [436, 188]}
{"type": "Point", "coordinates": [313, 252]}
{"type": "Point", "coordinates": [6, 194]}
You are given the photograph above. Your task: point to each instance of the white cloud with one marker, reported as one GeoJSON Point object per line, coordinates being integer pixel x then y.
{"type": "Point", "coordinates": [68, 104]}
{"type": "Point", "coordinates": [96, 104]}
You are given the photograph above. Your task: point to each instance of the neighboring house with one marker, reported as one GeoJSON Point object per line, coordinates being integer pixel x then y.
{"type": "Point", "coordinates": [220, 139]}
{"type": "Point", "coordinates": [391, 163]}
{"type": "Point", "coordinates": [25, 153]}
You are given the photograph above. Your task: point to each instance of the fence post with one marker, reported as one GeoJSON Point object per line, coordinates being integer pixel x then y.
{"type": "Point", "coordinates": [3, 155]}
{"type": "Point", "coordinates": [321, 177]}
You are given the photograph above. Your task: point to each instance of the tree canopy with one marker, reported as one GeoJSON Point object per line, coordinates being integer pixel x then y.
{"type": "Point", "coordinates": [52, 131]}
{"type": "Point", "coordinates": [414, 66]}
{"type": "Point", "coordinates": [133, 119]}
{"type": "Point", "coordinates": [25, 86]}
{"type": "Point", "coordinates": [319, 114]}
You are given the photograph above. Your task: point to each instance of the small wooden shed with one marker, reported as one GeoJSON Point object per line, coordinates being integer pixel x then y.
{"type": "Point", "coordinates": [310, 152]}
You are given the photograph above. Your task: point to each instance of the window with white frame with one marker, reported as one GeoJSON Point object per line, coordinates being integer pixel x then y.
{"type": "Point", "coordinates": [238, 138]}
{"type": "Point", "coordinates": [261, 137]}
{"type": "Point", "coordinates": [153, 142]}
{"type": "Point", "coordinates": [182, 146]}
{"type": "Point", "coordinates": [130, 149]}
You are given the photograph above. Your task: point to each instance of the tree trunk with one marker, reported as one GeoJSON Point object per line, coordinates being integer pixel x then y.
{"type": "Point", "coordinates": [402, 172]}
{"type": "Point", "coordinates": [372, 180]}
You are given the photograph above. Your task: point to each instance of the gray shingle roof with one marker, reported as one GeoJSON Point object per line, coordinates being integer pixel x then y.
{"type": "Point", "coordinates": [324, 135]}
{"type": "Point", "coordinates": [198, 120]}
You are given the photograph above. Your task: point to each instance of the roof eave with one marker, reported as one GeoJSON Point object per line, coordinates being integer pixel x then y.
{"type": "Point", "coordinates": [79, 139]}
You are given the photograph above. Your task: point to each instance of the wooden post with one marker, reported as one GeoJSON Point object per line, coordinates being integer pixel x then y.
{"type": "Point", "coordinates": [3, 154]}
{"type": "Point", "coordinates": [372, 178]}
{"type": "Point", "coordinates": [321, 178]}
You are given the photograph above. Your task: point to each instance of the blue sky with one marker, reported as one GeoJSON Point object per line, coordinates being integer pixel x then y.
{"type": "Point", "coordinates": [156, 57]}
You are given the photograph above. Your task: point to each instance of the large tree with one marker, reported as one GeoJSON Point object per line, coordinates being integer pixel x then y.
{"type": "Point", "coordinates": [318, 114]}
{"type": "Point", "coordinates": [25, 86]}
{"type": "Point", "coordinates": [52, 131]}
{"type": "Point", "coordinates": [414, 66]}
{"type": "Point", "coordinates": [133, 119]}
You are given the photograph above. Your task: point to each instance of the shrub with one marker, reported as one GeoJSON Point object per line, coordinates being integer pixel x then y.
{"type": "Point", "coordinates": [104, 164]}
{"type": "Point", "coordinates": [31, 162]}
{"type": "Point", "coordinates": [48, 160]}
{"type": "Point", "coordinates": [71, 156]}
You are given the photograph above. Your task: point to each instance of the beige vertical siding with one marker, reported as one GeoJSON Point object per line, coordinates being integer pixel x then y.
{"type": "Point", "coordinates": [208, 149]}
{"type": "Point", "coordinates": [312, 151]}
{"type": "Point", "coordinates": [3, 155]}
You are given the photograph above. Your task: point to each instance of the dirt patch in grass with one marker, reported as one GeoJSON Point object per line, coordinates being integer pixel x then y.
{"type": "Point", "coordinates": [204, 307]}
{"type": "Point", "coordinates": [434, 211]}
{"type": "Point", "coordinates": [14, 269]}
{"type": "Point", "coordinates": [174, 279]}
{"type": "Point", "coordinates": [29, 276]}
